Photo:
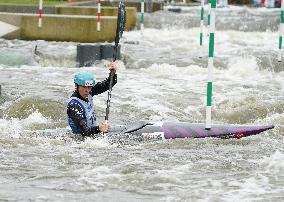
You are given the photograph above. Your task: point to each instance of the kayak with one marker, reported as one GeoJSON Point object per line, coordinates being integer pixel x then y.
{"type": "Point", "coordinates": [144, 130]}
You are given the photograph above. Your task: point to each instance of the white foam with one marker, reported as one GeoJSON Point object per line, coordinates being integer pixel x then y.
{"type": "Point", "coordinates": [35, 118]}
{"type": "Point", "coordinates": [14, 127]}
{"type": "Point", "coordinates": [243, 67]}
{"type": "Point", "coordinates": [10, 128]}
{"type": "Point", "coordinates": [274, 163]}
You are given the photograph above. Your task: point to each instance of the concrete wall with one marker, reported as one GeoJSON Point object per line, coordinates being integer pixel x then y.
{"type": "Point", "coordinates": [105, 11]}
{"type": "Point", "coordinates": [12, 8]}
{"type": "Point", "coordinates": [62, 27]}
{"type": "Point", "coordinates": [74, 10]}
{"type": "Point", "coordinates": [81, 26]}
{"type": "Point", "coordinates": [149, 6]}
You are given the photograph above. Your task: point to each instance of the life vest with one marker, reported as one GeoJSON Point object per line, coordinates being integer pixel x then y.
{"type": "Point", "coordinates": [87, 110]}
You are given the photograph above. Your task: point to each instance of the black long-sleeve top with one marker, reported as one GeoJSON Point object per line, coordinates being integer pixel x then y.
{"type": "Point", "coordinates": [76, 113]}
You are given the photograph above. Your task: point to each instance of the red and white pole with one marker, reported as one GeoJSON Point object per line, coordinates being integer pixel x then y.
{"type": "Point", "coordinates": [99, 16]}
{"type": "Point", "coordinates": [40, 14]}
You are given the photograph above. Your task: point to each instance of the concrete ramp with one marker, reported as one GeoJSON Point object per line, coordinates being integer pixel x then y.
{"type": "Point", "coordinates": [6, 28]}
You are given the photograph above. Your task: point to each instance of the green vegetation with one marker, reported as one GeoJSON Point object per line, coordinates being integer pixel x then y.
{"type": "Point", "coordinates": [35, 2]}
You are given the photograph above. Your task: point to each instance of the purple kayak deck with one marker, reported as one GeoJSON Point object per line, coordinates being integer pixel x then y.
{"type": "Point", "coordinates": [186, 130]}
{"type": "Point", "coordinates": [171, 130]}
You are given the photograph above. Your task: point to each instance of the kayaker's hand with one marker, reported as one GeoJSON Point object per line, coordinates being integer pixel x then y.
{"type": "Point", "coordinates": [112, 66]}
{"type": "Point", "coordinates": [104, 127]}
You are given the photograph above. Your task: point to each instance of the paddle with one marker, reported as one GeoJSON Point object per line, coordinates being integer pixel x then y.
{"type": "Point", "coordinates": [121, 18]}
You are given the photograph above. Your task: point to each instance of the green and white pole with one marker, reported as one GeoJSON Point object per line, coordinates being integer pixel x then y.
{"type": "Point", "coordinates": [210, 65]}
{"type": "Point", "coordinates": [281, 30]}
{"type": "Point", "coordinates": [208, 17]}
{"type": "Point", "coordinates": [142, 15]}
{"type": "Point", "coordinates": [201, 27]}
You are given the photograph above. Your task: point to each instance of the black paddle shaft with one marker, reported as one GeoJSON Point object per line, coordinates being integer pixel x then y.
{"type": "Point", "coordinates": [121, 18]}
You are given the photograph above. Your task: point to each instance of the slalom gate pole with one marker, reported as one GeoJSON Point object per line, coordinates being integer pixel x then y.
{"type": "Point", "coordinates": [208, 15]}
{"type": "Point", "coordinates": [201, 26]}
{"type": "Point", "coordinates": [40, 13]}
{"type": "Point", "coordinates": [142, 15]}
{"type": "Point", "coordinates": [281, 30]}
{"type": "Point", "coordinates": [210, 65]}
{"type": "Point", "coordinates": [99, 16]}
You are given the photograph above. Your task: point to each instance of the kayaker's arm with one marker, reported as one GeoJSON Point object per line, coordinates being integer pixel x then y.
{"type": "Point", "coordinates": [103, 86]}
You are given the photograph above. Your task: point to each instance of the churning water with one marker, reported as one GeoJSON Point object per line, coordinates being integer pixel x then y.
{"type": "Point", "coordinates": [161, 78]}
